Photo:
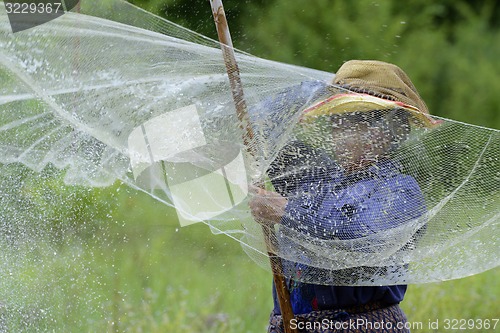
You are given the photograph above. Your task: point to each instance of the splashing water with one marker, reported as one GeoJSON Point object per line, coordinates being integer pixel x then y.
{"type": "Point", "coordinates": [138, 99]}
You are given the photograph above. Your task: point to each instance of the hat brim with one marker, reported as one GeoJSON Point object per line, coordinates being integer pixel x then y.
{"type": "Point", "coordinates": [354, 102]}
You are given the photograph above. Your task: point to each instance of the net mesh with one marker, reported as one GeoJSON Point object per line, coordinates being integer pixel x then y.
{"type": "Point", "coordinates": [366, 198]}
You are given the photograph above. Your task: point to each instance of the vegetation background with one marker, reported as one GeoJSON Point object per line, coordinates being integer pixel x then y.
{"type": "Point", "coordinates": [114, 260]}
{"type": "Point", "coordinates": [449, 48]}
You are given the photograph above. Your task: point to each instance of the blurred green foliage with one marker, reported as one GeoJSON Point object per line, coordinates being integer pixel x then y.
{"type": "Point", "coordinates": [448, 48]}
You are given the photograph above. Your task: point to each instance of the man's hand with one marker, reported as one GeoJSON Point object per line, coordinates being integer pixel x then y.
{"type": "Point", "coordinates": [267, 207]}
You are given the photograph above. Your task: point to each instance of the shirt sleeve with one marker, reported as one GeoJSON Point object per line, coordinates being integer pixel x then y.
{"type": "Point", "coordinates": [295, 163]}
{"type": "Point", "coordinates": [278, 111]}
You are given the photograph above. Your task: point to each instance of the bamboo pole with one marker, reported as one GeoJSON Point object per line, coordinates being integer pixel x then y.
{"type": "Point", "coordinates": [244, 123]}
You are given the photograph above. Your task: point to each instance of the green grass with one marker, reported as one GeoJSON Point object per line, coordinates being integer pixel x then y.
{"type": "Point", "coordinates": [475, 297]}
{"type": "Point", "coordinates": [137, 271]}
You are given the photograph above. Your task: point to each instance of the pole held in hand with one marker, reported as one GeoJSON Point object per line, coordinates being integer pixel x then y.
{"type": "Point", "coordinates": [245, 125]}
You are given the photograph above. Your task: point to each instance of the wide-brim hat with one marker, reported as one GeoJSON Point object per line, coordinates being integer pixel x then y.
{"type": "Point", "coordinates": [367, 85]}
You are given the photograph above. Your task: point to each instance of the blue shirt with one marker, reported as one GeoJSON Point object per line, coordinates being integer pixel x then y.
{"type": "Point", "coordinates": [329, 205]}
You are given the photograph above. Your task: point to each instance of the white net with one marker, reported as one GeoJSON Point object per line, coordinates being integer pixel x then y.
{"type": "Point", "coordinates": [367, 198]}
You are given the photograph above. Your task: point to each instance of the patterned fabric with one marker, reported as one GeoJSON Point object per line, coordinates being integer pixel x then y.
{"type": "Point", "coordinates": [390, 319]}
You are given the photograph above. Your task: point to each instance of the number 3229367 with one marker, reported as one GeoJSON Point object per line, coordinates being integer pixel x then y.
{"type": "Point", "coordinates": [32, 8]}
{"type": "Point", "coordinates": [467, 324]}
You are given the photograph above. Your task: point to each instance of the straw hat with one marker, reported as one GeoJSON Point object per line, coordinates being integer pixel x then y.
{"type": "Point", "coordinates": [372, 85]}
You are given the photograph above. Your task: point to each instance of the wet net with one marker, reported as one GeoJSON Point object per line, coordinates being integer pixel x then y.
{"type": "Point", "coordinates": [376, 195]}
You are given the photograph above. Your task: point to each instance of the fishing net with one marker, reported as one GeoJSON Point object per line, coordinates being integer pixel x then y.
{"type": "Point", "coordinates": [367, 197]}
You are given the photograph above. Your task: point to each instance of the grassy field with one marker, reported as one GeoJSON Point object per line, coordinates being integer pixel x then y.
{"type": "Point", "coordinates": [137, 271]}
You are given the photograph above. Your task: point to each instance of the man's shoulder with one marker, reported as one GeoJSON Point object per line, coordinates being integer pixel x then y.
{"type": "Point", "coordinates": [390, 174]}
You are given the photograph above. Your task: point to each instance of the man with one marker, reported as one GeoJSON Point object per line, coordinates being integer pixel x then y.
{"type": "Point", "coordinates": [346, 188]}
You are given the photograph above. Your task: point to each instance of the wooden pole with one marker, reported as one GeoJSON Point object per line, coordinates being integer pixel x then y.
{"type": "Point", "coordinates": [241, 110]}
